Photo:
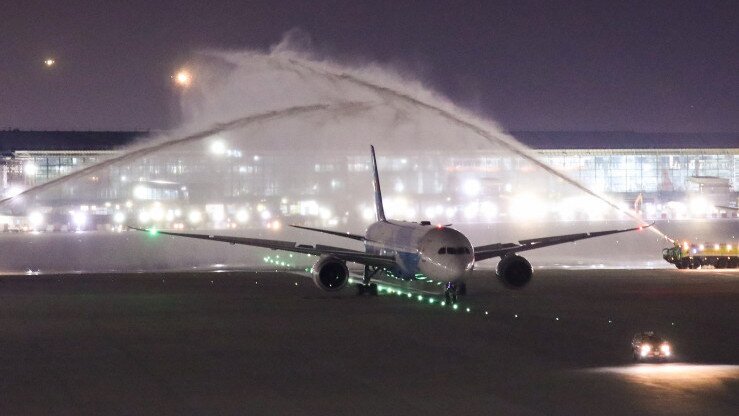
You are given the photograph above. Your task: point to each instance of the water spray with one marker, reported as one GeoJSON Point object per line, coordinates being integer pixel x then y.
{"type": "Point", "coordinates": [200, 135]}
{"type": "Point", "coordinates": [465, 121]}
{"type": "Point", "coordinates": [290, 62]}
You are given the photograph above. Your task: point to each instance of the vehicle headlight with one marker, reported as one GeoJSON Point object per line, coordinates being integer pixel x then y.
{"type": "Point", "coordinates": [665, 348]}
{"type": "Point", "coordinates": [645, 349]}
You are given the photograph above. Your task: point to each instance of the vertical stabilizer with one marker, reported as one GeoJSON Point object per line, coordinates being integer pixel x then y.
{"type": "Point", "coordinates": [379, 211]}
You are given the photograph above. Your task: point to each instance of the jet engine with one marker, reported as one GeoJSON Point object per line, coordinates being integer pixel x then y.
{"type": "Point", "coordinates": [515, 271]}
{"type": "Point", "coordinates": [330, 273]}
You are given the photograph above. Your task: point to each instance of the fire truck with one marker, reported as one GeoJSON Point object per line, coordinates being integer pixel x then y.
{"type": "Point", "coordinates": [694, 256]}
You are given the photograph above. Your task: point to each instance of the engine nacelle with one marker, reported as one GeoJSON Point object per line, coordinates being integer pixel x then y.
{"type": "Point", "coordinates": [330, 273]}
{"type": "Point", "coordinates": [515, 271]}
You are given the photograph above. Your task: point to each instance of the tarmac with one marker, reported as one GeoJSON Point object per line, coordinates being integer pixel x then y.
{"type": "Point", "coordinates": [271, 343]}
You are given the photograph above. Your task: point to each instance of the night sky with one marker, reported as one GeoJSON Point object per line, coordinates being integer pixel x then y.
{"type": "Point", "coordinates": [531, 65]}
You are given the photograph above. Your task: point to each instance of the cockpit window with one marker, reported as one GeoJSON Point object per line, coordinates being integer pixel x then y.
{"type": "Point", "coordinates": [454, 250]}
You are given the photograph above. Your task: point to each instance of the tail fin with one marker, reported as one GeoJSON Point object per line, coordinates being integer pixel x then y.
{"type": "Point", "coordinates": [379, 211]}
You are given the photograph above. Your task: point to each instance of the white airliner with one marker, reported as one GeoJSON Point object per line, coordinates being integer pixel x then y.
{"type": "Point", "coordinates": [405, 249]}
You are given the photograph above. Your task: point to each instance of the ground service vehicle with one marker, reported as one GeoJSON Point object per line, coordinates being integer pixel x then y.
{"type": "Point", "coordinates": [693, 256]}
{"type": "Point", "coordinates": [646, 345]}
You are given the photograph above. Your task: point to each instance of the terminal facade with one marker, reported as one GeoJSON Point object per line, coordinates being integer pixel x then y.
{"type": "Point", "coordinates": [675, 176]}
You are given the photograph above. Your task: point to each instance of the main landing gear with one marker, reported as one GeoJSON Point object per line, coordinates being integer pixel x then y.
{"type": "Point", "coordinates": [453, 290]}
{"type": "Point", "coordinates": [367, 286]}
{"type": "Point", "coordinates": [370, 289]}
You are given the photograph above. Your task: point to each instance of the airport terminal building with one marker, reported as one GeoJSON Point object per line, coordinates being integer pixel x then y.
{"type": "Point", "coordinates": [661, 175]}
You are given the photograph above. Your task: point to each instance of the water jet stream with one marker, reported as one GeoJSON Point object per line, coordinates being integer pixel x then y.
{"type": "Point", "coordinates": [217, 128]}
{"type": "Point", "coordinates": [505, 141]}
{"type": "Point", "coordinates": [301, 67]}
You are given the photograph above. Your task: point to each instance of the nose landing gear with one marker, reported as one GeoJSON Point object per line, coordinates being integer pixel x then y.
{"type": "Point", "coordinates": [453, 290]}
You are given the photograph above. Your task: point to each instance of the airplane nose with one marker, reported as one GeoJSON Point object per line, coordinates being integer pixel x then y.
{"type": "Point", "coordinates": [445, 267]}
{"type": "Point", "coordinates": [457, 271]}
{"type": "Point", "coordinates": [448, 256]}
{"type": "Point", "coordinates": [458, 268]}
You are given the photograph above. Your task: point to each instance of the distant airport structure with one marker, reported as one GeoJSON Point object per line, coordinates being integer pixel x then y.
{"type": "Point", "coordinates": [661, 175]}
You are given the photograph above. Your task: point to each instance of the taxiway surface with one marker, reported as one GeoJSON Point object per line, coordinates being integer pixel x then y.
{"type": "Point", "coordinates": [273, 344]}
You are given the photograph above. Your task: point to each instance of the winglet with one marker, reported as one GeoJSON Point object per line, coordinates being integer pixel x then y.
{"type": "Point", "coordinates": [379, 211]}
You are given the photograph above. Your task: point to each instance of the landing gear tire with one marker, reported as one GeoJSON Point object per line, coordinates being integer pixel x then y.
{"type": "Point", "coordinates": [461, 288]}
{"type": "Point", "coordinates": [452, 291]}
{"type": "Point", "coordinates": [370, 289]}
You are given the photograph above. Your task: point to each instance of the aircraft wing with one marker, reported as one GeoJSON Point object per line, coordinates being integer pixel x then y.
{"type": "Point", "coordinates": [727, 207]}
{"type": "Point", "coordinates": [316, 250]}
{"type": "Point", "coordinates": [336, 233]}
{"type": "Point", "coordinates": [501, 249]}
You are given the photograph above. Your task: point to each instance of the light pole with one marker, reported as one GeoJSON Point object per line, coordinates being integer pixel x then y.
{"type": "Point", "coordinates": [182, 80]}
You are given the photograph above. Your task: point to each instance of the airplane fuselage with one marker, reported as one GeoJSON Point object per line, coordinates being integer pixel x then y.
{"type": "Point", "coordinates": [437, 252]}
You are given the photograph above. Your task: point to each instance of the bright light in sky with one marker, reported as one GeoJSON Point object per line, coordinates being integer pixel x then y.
{"type": "Point", "coordinates": [183, 78]}
{"type": "Point", "coordinates": [49, 62]}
